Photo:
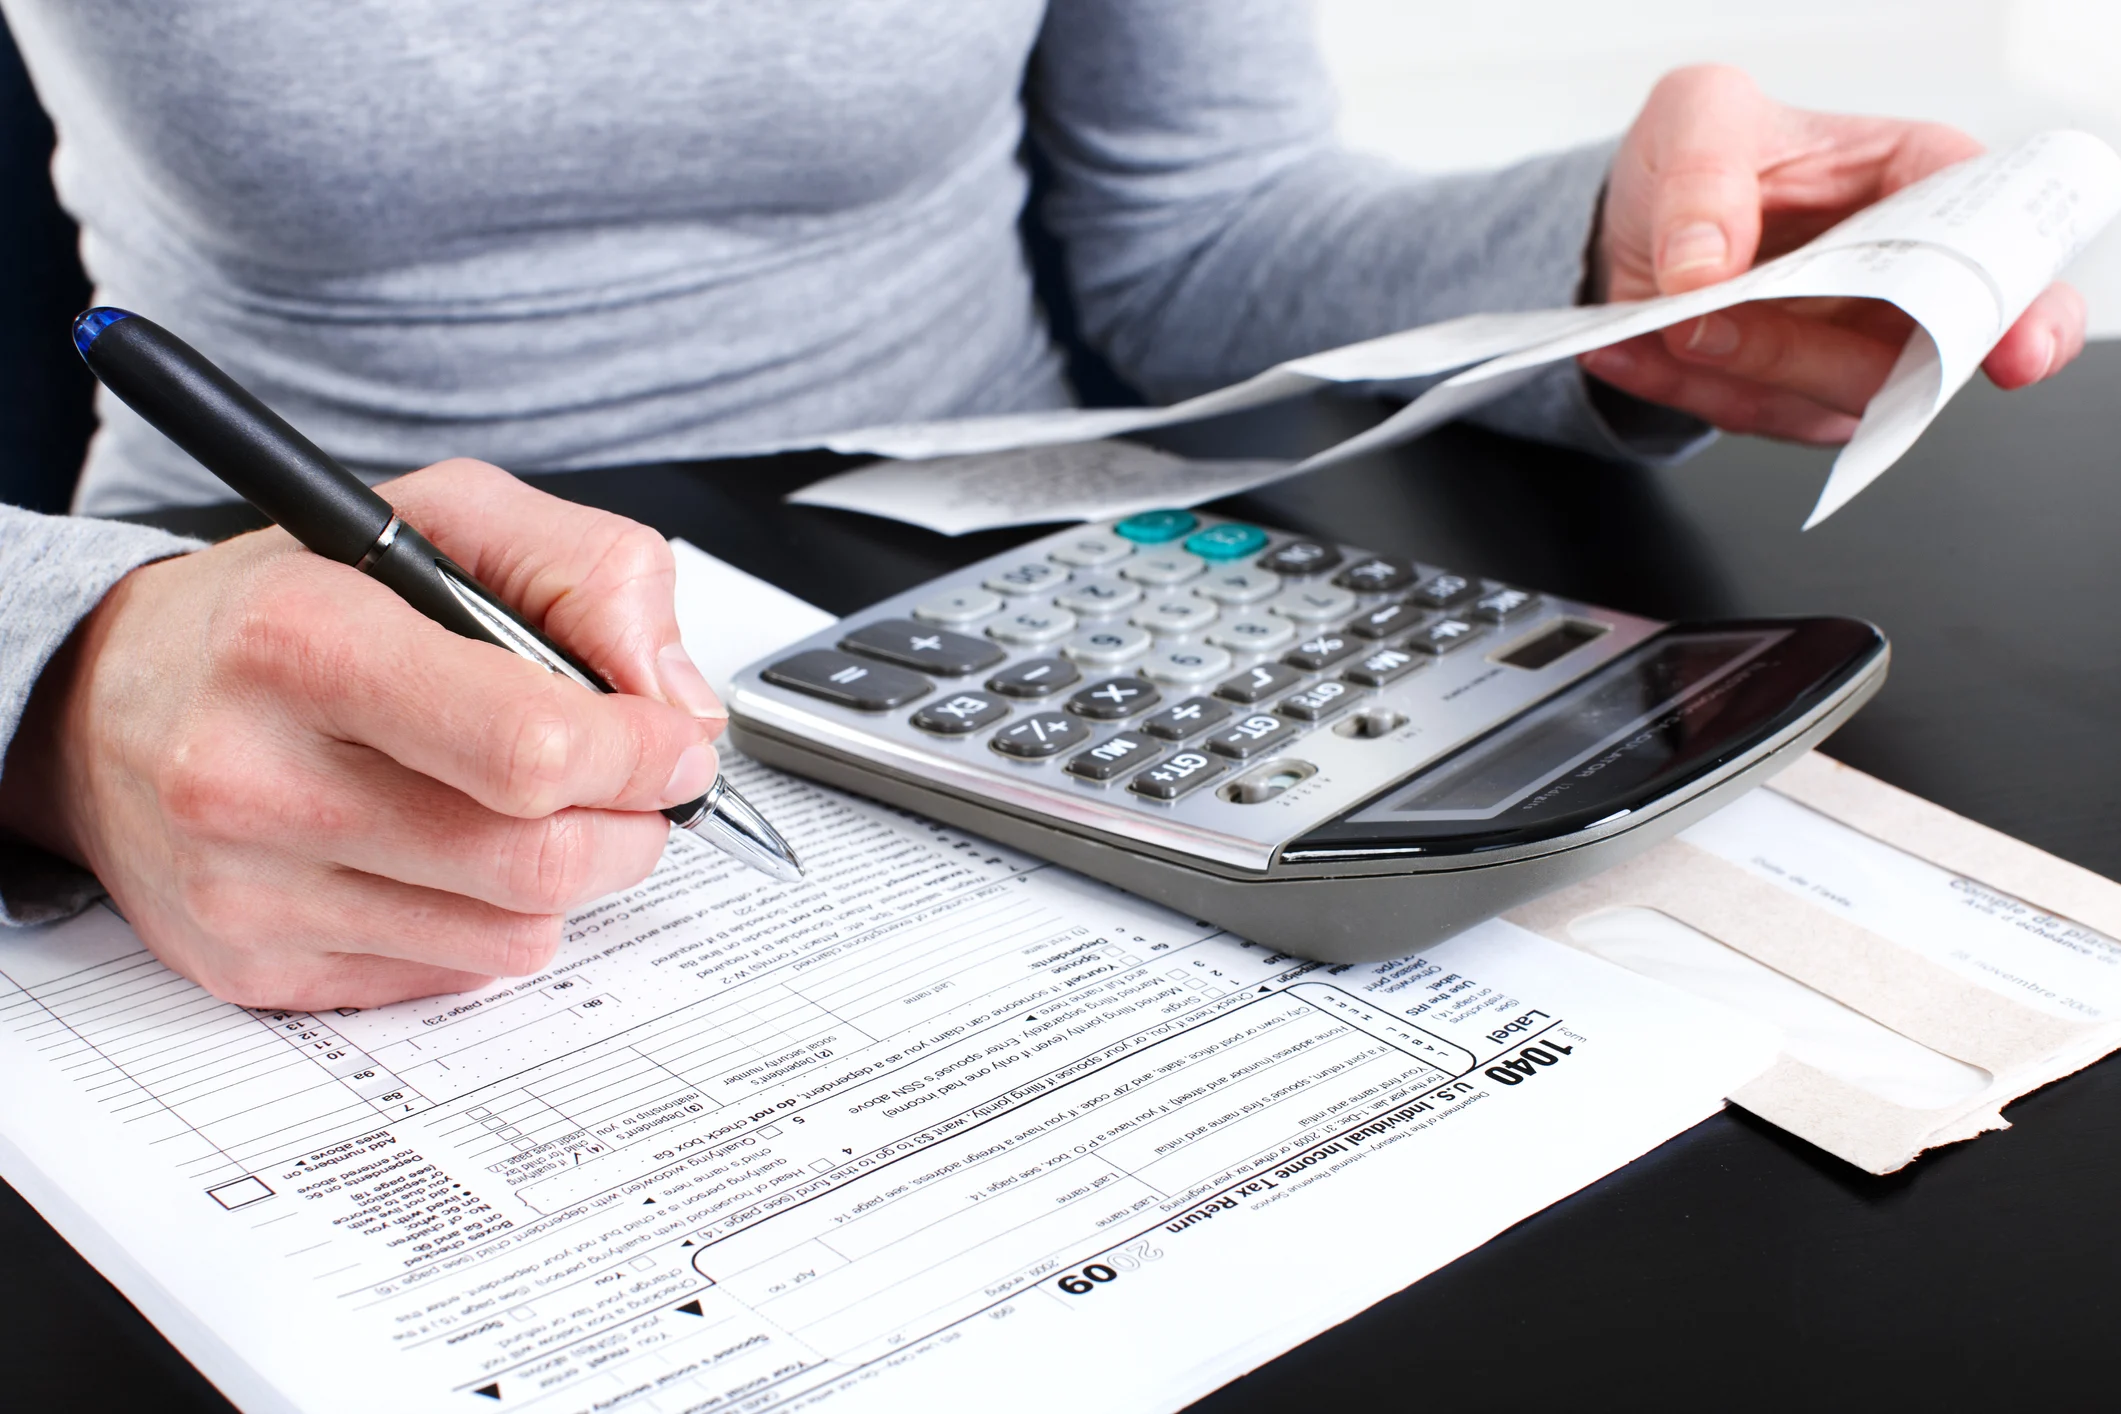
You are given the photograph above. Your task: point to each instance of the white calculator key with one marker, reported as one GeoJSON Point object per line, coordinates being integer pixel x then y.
{"type": "Point", "coordinates": [1254, 633]}
{"type": "Point", "coordinates": [1239, 586]}
{"type": "Point", "coordinates": [1107, 646]}
{"type": "Point", "coordinates": [1169, 567]}
{"type": "Point", "coordinates": [958, 606]}
{"type": "Point", "coordinates": [1030, 577]}
{"type": "Point", "coordinates": [1091, 550]}
{"type": "Point", "coordinates": [1314, 604]}
{"type": "Point", "coordinates": [1099, 595]}
{"type": "Point", "coordinates": [1179, 614]}
{"type": "Point", "coordinates": [1041, 623]}
{"type": "Point", "coordinates": [1190, 663]}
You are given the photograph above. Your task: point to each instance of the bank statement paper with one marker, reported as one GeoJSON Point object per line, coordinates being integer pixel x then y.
{"type": "Point", "coordinates": [943, 1128]}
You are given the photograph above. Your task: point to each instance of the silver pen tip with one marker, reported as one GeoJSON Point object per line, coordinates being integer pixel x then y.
{"type": "Point", "coordinates": [734, 825]}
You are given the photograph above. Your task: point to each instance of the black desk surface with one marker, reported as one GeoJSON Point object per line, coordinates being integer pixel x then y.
{"type": "Point", "coordinates": [1735, 1267]}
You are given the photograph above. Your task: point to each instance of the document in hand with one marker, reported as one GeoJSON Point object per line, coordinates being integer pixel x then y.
{"type": "Point", "coordinates": [930, 1132]}
{"type": "Point", "coordinates": [1962, 252]}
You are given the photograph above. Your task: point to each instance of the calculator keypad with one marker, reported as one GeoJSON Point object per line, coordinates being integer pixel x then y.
{"type": "Point", "coordinates": [1299, 557]}
{"type": "Point", "coordinates": [1259, 682]}
{"type": "Point", "coordinates": [1376, 575]}
{"type": "Point", "coordinates": [1166, 567]}
{"type": "Point", "coordinates": [1182, 719]}
{"type": "Point", "coordinates": [1186, 771]}
{"type": "Point", "coordinates": [1108, 647]}
{"type": "Point", "coordinates": [1035, 677]}
{"type": "Point", "coordinates": [1091, 550]}
{"type": "Point", "coordinates": [1383, 665]}
{"type": "Point", "coordinates": [1176, 615]}
{"type": "Point", "coordinates": [1027, 628]}
{"type": "Point", "coordinates": [1444, 590]}
{"type": "Point", "coordinates": [846, 680]}
{"type": "Point", "coordinates": [1187, 663]}
{"type": "Point", "coordinates": [1231, 587]}
{"type": "Point", "coordinates": [1443, 636]}
{"type": "Point", "coordinates": [1039, 736]}
{"type": "Point", "coordinates": [959, 606]}
{"type": "Point", "coordinates": [1099, 595]}
{"type": "Point", "coordinates": [1253, 633]}
{"type": "Point", "coordinates": [961, 713]}
{"type": "Point", "coordinates": [911, 644]}
{"type": "Point", "coordinates": [1030, 577]}
{"type": "Point", "coordinates": [1321, 650]}
{"type": "Point", "coordinates": [1251, 736]}
{"type": "Point", "coordinates": [1313, 604]}
{"type": "Point", "coordinates": [1115, 756]}
{"type": "Point", "coordinates": [1114, 698]}
{"type": "Point", "coordinates": [1258, 639]}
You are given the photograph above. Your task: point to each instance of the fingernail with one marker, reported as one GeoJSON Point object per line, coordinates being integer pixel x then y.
{"type": "Point", "coordinates": [2053, 359]}
{"type": "Point", "coordinates": [684, 685]}
{"type": "Point", "coordinates": [1693, 246]}
{"type": "Point", "coordinates": [1713, 336]}
{"type": "Point", "coordinates": [695, 772]}
{"type": "Point", "coordinates": [1614, 360]}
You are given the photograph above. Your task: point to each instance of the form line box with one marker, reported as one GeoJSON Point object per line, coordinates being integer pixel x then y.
{"type": "Point", "coordinates": [240, 1193]}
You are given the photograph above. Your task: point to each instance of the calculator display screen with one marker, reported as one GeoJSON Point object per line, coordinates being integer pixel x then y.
{"type": "Point", "coordinates": [1647, 723]}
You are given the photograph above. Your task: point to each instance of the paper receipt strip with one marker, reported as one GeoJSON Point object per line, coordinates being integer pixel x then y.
{"type": "Point", "coordinates": [2004, 958]}
{"type": "Point", "coordinates": [1962, 253]}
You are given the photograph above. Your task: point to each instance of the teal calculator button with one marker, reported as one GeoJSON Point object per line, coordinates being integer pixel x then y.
{"type": "Point", "coordinates": [1229, 541]}
{"type": "Point", "coordinates": [1156, 527]}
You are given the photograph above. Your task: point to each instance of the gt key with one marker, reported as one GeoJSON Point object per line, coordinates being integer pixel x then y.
{"type": "Point", "coordinates": [1261, 732]}
{"type": "Point", "coordinates": [1173, 778]}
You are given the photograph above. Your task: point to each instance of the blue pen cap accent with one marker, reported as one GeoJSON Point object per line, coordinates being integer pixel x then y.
{"type": "Point", "coordinates": [93, 322]}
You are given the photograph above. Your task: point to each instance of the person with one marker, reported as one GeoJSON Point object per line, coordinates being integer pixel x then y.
{"type": "Point", "coordinates": [561, 234]}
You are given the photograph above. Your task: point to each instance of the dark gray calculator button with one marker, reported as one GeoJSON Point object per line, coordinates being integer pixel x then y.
{"type": "Point", "coordinates": [1168, 780]}
{"type": "Point", "coordinates": [960, 713]}
{"type": "Point", "coordinates": [1113, 698]}
{"type": "Point", "coordinates": [1113, 755]}
{"type": "Point", "coordinates": [1320, 649]}
{"type": "Point", "coordinates": [1384, 621]}
{"type": "Point", "coordinates": [1376, 575]}
{"type": "Point", "coordinates": [847, 680]}
{"type": "Point", "coordinates": [1443, 590]}
{"type": "Point", "coordinates": [1299, 557]}
{"type": "Point", "coordinates": [1383, 665]}
{"type": "Point", "coordinates": [1035, 677]}
{"type": "Point", "coordinates": [1182, 719]}
{"type": "Point", "coordinates": [911, 644]}
{"type": "Point", "coordinates": [1320, 700]}
{"type": "Point", "coordinates": [1261, 682]}
{"type": "Point", "coordinates": [1442, 636]}
{"type": "Point", "coordinates": [1040, 735]}
{"type": "Point", "coordinates": [1251, 736]}
{"type": "Point", "coordinates": [1499, 604]}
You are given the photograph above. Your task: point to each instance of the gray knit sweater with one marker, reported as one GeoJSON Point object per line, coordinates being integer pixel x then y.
{"type": "Point", "coordinates": [577, 233]}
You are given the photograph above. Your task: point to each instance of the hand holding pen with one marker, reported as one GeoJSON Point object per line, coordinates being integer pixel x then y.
{"type": "Point", "coordinates": [304, 793]}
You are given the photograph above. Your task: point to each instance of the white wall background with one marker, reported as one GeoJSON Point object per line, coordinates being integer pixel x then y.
{"type": "Point", "coordinates": [1445, 84]}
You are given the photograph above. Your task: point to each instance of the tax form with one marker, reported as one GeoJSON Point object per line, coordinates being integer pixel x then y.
{"type": "Point", "coordinates": [1962, 253]}
{"type": "Point", "coordinates": [941, 1128]}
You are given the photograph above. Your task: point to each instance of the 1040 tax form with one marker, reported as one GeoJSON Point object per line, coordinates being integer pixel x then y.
{"type": "Point", "coordinates": [941, 1127]}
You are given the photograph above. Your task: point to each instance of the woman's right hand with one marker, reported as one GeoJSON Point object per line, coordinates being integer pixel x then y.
{"type": "Point", "coordinates": [304, 794]}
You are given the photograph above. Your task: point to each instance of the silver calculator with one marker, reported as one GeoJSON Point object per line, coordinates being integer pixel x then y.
{"type": "Point", "coordinates": [1340, 754]}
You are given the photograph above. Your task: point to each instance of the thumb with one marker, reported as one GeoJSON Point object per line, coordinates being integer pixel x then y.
{"type": "Point", "coordinates": [599, 584]}
{"type": "Point", "coordinates": [1706, 129]}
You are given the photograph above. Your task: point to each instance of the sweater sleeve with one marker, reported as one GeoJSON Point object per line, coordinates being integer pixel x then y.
{"type": "Point", "coordinates": [53, 570]}
{"type": "Point", "coordinates": [1213, 225]}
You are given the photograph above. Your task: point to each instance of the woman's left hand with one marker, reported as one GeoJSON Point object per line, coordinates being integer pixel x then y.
{"type": "Point", "coordinates": [1715, 176]}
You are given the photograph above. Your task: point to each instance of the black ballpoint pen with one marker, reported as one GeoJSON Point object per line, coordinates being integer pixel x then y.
{"type": "Point", "coordinates": [326, 507]}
